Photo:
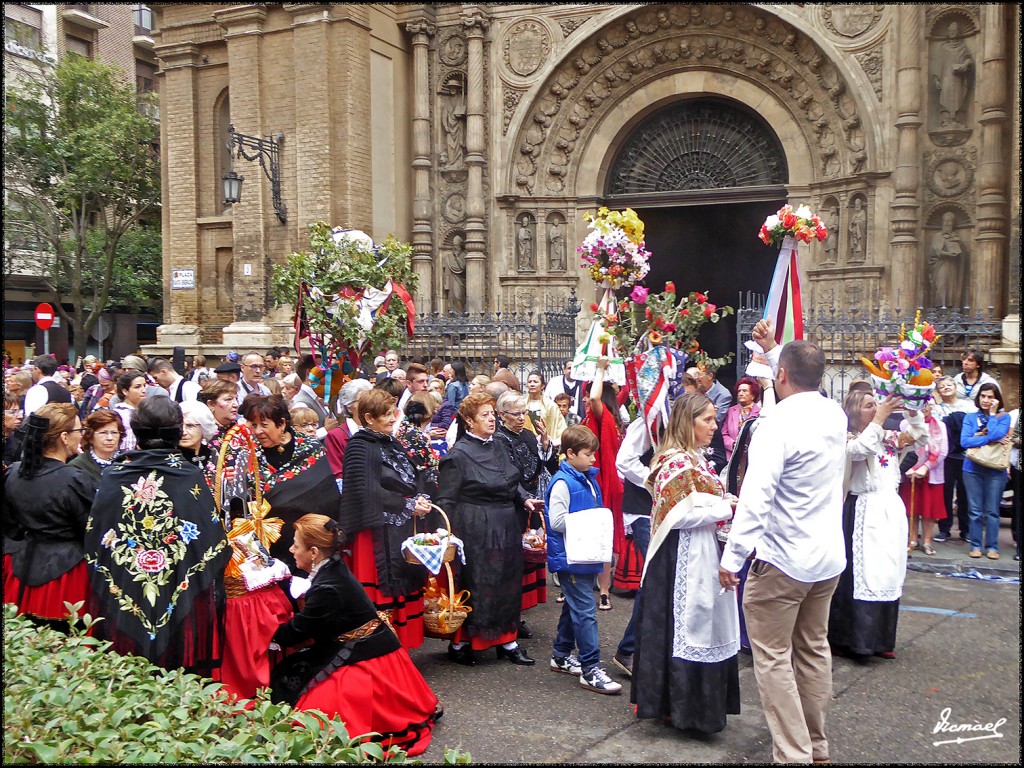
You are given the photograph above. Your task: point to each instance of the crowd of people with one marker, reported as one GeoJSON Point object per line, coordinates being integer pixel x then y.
{"type": "Point", "coordinates": [771, 521]}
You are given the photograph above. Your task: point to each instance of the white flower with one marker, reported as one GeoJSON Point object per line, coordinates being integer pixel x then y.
{"type": "Point", "coordinates": [772, 222]}
{"type": "Point", "coordinates": [803, 212]}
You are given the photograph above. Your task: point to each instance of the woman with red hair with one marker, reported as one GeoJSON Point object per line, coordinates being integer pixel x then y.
{"type": "Point", "coordinates": [748, 398]}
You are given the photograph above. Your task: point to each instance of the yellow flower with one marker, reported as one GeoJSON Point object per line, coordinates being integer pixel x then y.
{"type": "Point", "coordinates": [148, 523]}
{"type": "Point", "coordinates": [604, 338]}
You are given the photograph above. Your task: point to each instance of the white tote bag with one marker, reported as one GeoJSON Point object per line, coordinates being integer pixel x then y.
{"type": "Point", "coordinates": [588, 536]}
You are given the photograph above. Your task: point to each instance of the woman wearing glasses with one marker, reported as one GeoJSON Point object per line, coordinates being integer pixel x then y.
{"type": "Point", "coordinates": [46, 506]}
{"type": "Point", "coordinates": [12, 437]}
{"type": "Point", "coordinates": [103, 433]}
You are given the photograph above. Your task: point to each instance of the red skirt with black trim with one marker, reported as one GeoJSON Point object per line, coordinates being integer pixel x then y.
{"type": "Point", "coordinates": [405, 611]}
{"type": "Point", "coordinates": [535, 584]}
{"type": "Point", "coordinates": [249, 625]}
{"type": "Point", "coordinates": [385, 695]}
{"type": "Point", "coordinates": [47, 600]}
{"type": "Point", "coordinates": [628, 568]}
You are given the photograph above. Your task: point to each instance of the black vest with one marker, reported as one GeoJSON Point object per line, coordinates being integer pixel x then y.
{"type": "Point", "coordinates": [56, 393]}
{"type": "Point", "coordinates": [637, 500]}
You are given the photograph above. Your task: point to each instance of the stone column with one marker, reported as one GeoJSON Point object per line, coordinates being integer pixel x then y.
{"type": "Point", "coordinates": [988, 275]}
{"type": "Point", "coordinates": [906, 266]}
{"type": "Point", "coordinates": [476, 26]}
{"type": "Point", "coordinates": [422, 236]}
{"type": "Point", "coordinates": [179, 155]}
{"type": "Point", "coordinates": [243, 32]}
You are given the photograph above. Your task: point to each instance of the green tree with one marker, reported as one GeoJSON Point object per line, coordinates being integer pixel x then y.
{"type": "Point", "coordinates": [80, 172]}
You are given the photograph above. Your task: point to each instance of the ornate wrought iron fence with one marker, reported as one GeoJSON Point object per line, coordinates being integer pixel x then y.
{"type": "Point", "coordinates": [846, 335]}
{"type": "Point", "coordinates": [541, 340]}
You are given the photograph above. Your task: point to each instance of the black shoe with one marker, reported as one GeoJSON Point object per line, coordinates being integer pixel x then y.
{"type": "Point", "coordinates": [463, 655]}
{"type": "Point", "coordinates": [524, 631]}
{"type": "Point", "coordinates": [517, 656]}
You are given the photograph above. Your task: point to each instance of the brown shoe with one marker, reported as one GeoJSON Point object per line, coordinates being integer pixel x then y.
{"type": "Point", "coordinates": [993, 555]}
{"type": "Point", "coordinates": [975, 553]}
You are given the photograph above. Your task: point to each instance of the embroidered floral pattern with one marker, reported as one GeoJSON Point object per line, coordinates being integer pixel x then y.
{"type": "Point", "coordinates": [306, 454]}
{"type": "Point", "coordinates": [417, 445]}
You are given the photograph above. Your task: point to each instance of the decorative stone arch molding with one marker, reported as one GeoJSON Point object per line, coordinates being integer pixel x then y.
{"type": "Point", "coordinates": [743, 52]}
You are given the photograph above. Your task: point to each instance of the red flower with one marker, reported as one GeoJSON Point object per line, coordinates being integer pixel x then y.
{"type": "Point", "coordinates": [311, 461]}
{"type": "Point", "coordinates": [648, 314]}
{"type": "Point", "coordinates": [170, 539]}
{"type": "Point", "coordinates": [708, 311]}
{"type": "Point", "coordinates": [669, 327]}
{"type": "Point", "coordinates": [150, 561]}
{"type": "Point", "coordinates": [615, 271]}
{"type": "Point", "coordinates": [789, 220]}
{"type": "Point", "coordinates": [928, 334]}
{"type": "Point", "coordinates": [803, 235]}
{"type": "Point", "coordinates": [701, 298]}
{"type": "Point", "coordinates": [670, 287]}
{"type": "Point", "coordinates": [659, 323]}
{"type": "Point", "coordinates": [288, 475]}
{"type": "Point", "coordinates": [685, 313]}
{"type": "Point", "coordinates": [594, 307]}
{"type": "Point", "coordinates": [763, 234]}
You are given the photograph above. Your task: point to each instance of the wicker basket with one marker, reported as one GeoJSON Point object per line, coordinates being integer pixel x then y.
{"type": "Point", "coordinates": [439, 623]}
{"type": "Point", "coordinates": [535, 555]}
{"type": "Point", "coordinates": [449, 553]}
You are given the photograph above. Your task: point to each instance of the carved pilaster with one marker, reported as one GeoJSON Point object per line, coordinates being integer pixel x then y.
{"type": "Point", "coordinates": [988, 273]}
{"type": "Point", "coordinates": [421, 31]}
{"type": "Point", "coordinates": [475, 26]}
{"type": "Point", "coordinates": [907, 178]}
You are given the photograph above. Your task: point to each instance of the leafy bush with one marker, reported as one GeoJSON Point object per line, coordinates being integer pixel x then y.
{"type": "Point", "coordinates": [72, 699]}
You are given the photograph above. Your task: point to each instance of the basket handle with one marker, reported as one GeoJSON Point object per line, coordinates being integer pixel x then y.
{"type": "Point", "coordinates": [447, 522]}
{"type": "Point", "coordinates": [543, 527]}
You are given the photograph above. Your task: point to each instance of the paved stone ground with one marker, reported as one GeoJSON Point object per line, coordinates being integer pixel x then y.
{"type": "Point", "coordinates": [958, 647]}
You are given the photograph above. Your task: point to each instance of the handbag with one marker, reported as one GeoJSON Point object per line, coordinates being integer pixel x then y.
{"type": "Point", "coordinates": [993, 455]}
{"type": "Point", "coordinates": [588, 536]}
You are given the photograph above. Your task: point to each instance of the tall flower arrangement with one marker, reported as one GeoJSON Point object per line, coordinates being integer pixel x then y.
{"type": "Point", "coordinates": [905, 370]}
{"type": "Point", "coordinates": [801, 223]}
{"type": "Point", "coordinates": [613, 252]}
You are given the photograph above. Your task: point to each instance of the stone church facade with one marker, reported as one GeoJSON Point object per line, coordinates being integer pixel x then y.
{"type": "Point", "coordinates": [481, 133]}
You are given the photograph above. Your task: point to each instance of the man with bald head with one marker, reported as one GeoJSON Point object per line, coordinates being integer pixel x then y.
{"type": "Point", "coordinates": [252, 376]}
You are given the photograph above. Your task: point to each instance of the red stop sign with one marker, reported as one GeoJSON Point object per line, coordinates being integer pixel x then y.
{"type": "Point", "coordinates": [44, 316]}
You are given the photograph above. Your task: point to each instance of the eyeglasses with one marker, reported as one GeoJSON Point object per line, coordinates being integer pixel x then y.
{"type": "Point", "coordinates": [80, 429]}
{"type": "Point", "coordinates": [515, 414]}
{"type": "Point", "coordinates": [255, 367]}
{"type": "Point", "coordinates": [188, 425]}
{"type": "Point", "coordinates": [14, 412]}
{"type": "Point", "coordinates": [108, 433]}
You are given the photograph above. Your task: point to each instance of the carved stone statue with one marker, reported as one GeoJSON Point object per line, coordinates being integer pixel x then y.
{"type": "Point", "coordinates": [946, 257]}
{"type": "Point", "coordinates": [452, 118]}
{"type": "Point", "coordinates": [953, 77]}
{"type": "Point", "coordinates": [456, 277]}
{"type": "Point", "coordinates": [524, 247]}
{"type": "Point", "coordinates": [556, 245]}
{"type": "Point", "coordinates": [831, 222]}
{"type": "Point", "coordinates": [858, 231]}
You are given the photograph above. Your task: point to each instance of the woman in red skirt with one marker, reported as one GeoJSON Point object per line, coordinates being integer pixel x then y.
{"type": "Point", "coordinates": [46, 507]}
{"type": "Point", "coordinates": [356, 668]}
{"type": "Point", "coordinates": [922, 490]}
{"type": "Point", "coordinates": [382, 492]}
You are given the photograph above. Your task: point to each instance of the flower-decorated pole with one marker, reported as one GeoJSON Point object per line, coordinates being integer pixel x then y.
{"type": "Point", "coordinates": [785, 306]}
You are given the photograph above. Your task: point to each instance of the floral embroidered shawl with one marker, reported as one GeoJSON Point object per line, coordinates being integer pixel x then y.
{"type": "Point", "coordinates": [675, 476]}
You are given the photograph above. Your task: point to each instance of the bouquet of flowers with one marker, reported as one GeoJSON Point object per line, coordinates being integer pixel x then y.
{"type": "Point", "coordinates": [613, 252]}
{"type": "Point", "coordinates": [904, 370]}
{"type": "Point", "coordinates": [801, 224]}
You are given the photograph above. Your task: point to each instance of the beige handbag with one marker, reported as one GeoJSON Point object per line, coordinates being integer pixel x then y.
{"type": "Point", "coordinates": [993, 455]}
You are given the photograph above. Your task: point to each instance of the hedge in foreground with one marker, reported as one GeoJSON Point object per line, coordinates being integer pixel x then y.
{"type": "Point", "coordinates": [72, 699]}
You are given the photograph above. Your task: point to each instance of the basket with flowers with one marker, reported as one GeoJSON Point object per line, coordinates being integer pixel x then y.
{"type": "Point", "coordinates": [801, 224]}
{"type": "Point", "coordinates": [613, 252]}
{"type": "Point", "coordinates": [904, 370]}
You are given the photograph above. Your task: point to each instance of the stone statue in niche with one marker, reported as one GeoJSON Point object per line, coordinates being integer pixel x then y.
{"type": "Point", "coordinates": [455, 265]}
{"type": "Point", "coordinates": [946, 256]}
{"type": "Point", "coordinates": [831, 247]}
{"type": "Point", "coordinates": [526, 261]}
{"type": "Point", "coordinates": [556, 245]}
{"type": "Point", "coordinates": [952, 80]}
{"type": "Point", "coordinates": [453, 120]}
{"type": "Point", "coordinates": [858, 231]}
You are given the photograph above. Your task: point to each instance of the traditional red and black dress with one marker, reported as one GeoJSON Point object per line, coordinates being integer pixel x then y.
{"type": "Point", "coordinates": [525, 453]}
{"type": "Point", "coordinates": [380, 489]}
{"type": "Point", "coordinates": [157, 549]}
{"type": "Point", "coordinates": [480, 490]}
{"type": "Point", "coordinates": [604, 426]}
{"type": "Point", "coordinates": [356, 667]}
{"type": "Point", "coordinates": [44, 521]}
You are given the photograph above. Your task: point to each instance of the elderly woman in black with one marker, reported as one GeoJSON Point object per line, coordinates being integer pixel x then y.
{"type": "Point", "coordinates": [46, 505]}
{"type": "Point", "coordinates": [480, 488]}
{"type": "Point", "coordinates": [383, 493]}
{"type": "Point", "coordinates": [157, 550]}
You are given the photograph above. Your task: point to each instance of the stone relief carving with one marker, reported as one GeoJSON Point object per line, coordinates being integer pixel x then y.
{"type": "Point", "coordinates": [873, 64]}
{"type": "Point", "coordinates": [510, 99]}
{"type": "Point", "coordinates": [453, 51]}
{"type": "Point", "coordinates": [453, 121]}
{"type": "Point", "coordinates": [455, 274]}
{"type": "Point", "coordinates": [556, 243]}
{"type": "Point", "coordinates": [830, 218]}
{"type": "Point", "coordinates": [526, 254]}
{"type": "Point", "coordinates": [455, 207]}
{"type": "Point", "coordinates": [949, 172]}
{"type": "Point", "coordinates": [568, 26]}
{"type": "Point", "coordinates": [782, 58]}
{"type": "Point", "coordinates": [947, 257]}
{"type": "Point", "coordinates": [526, 47]}
{"type": "Point", "coordinates": [952, 78]}
{"type": "Point", "coordinates": [851, 19]}
{"type": "Point", "coordinates": [857, 231]}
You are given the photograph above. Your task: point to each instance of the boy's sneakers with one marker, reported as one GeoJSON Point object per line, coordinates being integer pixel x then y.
{"type": "Point", "coordinates": [623, 662]}
{"type": "Point", "coordinates": [570, 665]}
{"type": "Point", "coordinates": [597, 680]}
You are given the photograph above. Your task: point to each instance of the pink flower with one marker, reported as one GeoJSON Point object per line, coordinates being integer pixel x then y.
{"type": "Point", "coordinates": [639, 294]}
{"type": "Point", "coordinates": [145, 490]}
{"type": "Point", "coordinates": [150, 561]}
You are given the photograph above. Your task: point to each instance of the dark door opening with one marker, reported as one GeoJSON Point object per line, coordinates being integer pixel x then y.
{"type": "Point", "coordinates": [713, 249]}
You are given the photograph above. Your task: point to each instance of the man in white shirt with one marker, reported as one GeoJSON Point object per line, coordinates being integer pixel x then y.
{"type": "Point", "coordinates": [252, 375]}
{"type": "Point", "coordinates": [790, 510]}
{"type": "Point", "coordinates": [570, 386]}
{"type": "Point", "coordinates": [179, 388]}
{"type": "Point", "coordinates": [47, 387]}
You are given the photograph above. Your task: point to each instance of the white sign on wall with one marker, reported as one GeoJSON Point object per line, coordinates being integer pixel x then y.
{"type": "Point", "coordinates": [183, 278]}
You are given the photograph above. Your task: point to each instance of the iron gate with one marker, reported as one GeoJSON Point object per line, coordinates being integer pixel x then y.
{"type": "Point", "coordinates": [846, 335]}
{"type": "Point", "coordinates": [541, 340]}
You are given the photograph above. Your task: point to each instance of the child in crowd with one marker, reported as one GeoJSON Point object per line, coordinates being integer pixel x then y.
{"type": "Point", "coordinates": [574, 488]}
{"type": "Point", "coordinates": [564, 403]}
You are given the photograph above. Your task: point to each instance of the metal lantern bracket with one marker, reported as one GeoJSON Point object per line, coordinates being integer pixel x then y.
{"type": "Point", "coordinates": [268, 152]}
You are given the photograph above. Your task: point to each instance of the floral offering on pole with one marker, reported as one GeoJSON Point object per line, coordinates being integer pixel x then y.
{"type": "Point", "coordinates": [904, 370]}
{"type": "Point", "coordinates": [782, 230]}
{"type": "Point", "coordinates": [343, 289]}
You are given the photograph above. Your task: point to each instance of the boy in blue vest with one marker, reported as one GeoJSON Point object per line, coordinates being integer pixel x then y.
{"type": "Point", "coordinates": [573, 488]}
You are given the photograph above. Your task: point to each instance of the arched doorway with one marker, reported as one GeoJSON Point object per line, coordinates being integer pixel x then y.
{"type": "Point", "coordinates": [703, 173]}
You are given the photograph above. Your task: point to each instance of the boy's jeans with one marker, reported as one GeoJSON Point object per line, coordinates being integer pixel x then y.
{"type": "Point", "coordinates": [577, 626]}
